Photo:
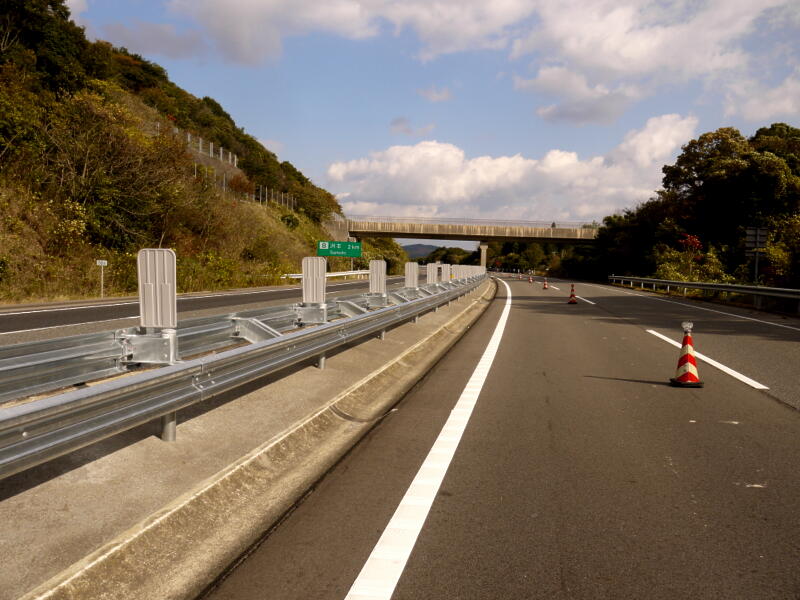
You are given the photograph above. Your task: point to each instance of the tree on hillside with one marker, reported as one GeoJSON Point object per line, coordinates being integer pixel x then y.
{"type": "Point", "coordinates": [721, 183]}
{"type": "Point", "coordinates": [39, 33]}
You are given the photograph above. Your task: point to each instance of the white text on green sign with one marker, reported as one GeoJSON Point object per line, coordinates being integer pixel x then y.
{"type": "Point", "coordinates": [347, 249]}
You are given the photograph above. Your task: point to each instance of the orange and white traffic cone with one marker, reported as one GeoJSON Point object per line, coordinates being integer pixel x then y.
{"type": "Point", "coordinates": [687, 375]}
{"type": "Point", "coordinates": [572, 298]}
{"type": "Point", "coordinates": [530, 279]}
{"type": "Point", "coordinates": [544, 287]}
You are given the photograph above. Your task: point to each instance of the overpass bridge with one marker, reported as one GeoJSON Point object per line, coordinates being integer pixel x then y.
{"type": "Point", "coordinates": [482, 231]}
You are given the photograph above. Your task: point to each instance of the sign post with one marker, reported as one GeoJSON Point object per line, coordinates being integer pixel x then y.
{"type": "Point", "coordinates": [102, 264]}
{"type": "Point", "coordinates": [755, 240]}
{"type": "Point", "coordinates": [346, 249]}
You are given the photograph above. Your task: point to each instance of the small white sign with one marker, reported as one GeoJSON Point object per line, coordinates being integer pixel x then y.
{"type": "Point", "coordinates": [102, 263]}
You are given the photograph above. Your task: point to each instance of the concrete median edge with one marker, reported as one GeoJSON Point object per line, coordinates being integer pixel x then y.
{"type": "Point", "coordinates": [179, 551]}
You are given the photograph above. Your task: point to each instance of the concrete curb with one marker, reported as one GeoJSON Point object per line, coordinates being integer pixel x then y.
{"type": "Point", "coordinates": [179, 551]}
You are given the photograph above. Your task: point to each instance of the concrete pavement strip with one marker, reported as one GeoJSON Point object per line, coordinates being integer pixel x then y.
{"type": "Point", "coordinates": [135, 517]}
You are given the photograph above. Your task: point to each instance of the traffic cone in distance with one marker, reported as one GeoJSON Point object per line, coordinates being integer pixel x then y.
{"type": "Point", "coordinates": [687, 375]}
{"type": "Point", "coordinates": [530, 279]}
{"type": "Point", "coordinates": [572, 298]}
{"type": "Point", "coordinates": [544, 287]}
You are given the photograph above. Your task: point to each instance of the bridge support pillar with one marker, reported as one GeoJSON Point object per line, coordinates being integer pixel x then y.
{"type": "Point", "coordinates": [484, 246]}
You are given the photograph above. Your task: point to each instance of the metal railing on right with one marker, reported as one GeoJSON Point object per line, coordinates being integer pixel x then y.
{"type": "Point", "coordinates": [756, 291]}
{"type": "Point", "coordinates": [36, 430]}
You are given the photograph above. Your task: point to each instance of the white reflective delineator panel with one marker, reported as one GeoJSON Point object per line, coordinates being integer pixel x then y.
{"type": "Point", "coordinates": [377, 277]}
{"type": "Point", "coordinates": [158, 302]}
{"type": "Point", "coordinates": [412, 275]}
{"type": "Point", "coordinates": [446, 272]}
{"type": "Point", "coordinates": [432, 273]}
{"type": "Point", "coordinates": [314, 269]}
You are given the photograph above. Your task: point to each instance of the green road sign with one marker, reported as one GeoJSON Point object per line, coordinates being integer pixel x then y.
{"type": "Point", "coordinates": [348, 249]}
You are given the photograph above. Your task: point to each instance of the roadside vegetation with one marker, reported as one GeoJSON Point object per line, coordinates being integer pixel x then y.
{"type": "Point", "coordinates": [90, 168]}
{"type": "Point", "coordinates": [694, 228]}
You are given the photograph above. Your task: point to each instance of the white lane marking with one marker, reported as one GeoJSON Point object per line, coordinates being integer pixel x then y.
{"type": "Point", "coordinates": [585, 300]}
{"type": "Point", "coordinates": [555, 288]}
{"type": "Point", "coordinates": [381, 572]}
{"type": "Point", "coordinates": [66, 308]}
{"type": "Point", "coordinates": [713, 363]}
{"type": "Point", "coordinates": [686, 304]}
{"type": "Point", "coordinates": [67, 325]}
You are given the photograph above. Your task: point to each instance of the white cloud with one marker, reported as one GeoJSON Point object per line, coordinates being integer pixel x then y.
{"type": "Point", "coordinates": [434, 94]}
{"type": "Point", "coordinates": [272, 145]}
{"type": "Point", "coordinates": [249, 31]}
{"type": "Point", "coordinates": [155, 38]}
{"type": "Point", "coordinates": [435, 178]}
{"type": "Point", "coordinates": [76, 7]}
{"type": "Point", "coordinates": [403, 126]}
{"type": "Point", "coordinates": [607, 53]}
{"type": "Point", "coordinates": [633, 48]}
{"type": "Point", "coordinates": [655, 143]}
{"type": "Point", "coordinates": [582, 103]}
{"type": "Point", "coordinates": [641, 37]}
{"type": "Point", "coordinates": [757, 102]}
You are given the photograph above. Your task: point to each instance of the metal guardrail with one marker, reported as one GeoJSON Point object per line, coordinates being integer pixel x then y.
{"type": "Point", "coordinates": [38, 430]}
{"type": "Point", "coordinates": [751, 290]}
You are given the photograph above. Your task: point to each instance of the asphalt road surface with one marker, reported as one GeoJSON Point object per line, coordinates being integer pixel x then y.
{"type": "Point", "coordinates": [14, 319]}
{"type": "Point", "coordinates": [580, 473]}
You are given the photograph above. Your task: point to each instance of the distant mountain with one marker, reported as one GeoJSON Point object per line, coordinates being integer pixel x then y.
{"type": "Point", "coordinates": [419, 250]}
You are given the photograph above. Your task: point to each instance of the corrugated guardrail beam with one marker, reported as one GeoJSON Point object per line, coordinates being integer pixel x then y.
{"type": "Point", "coordinates": [752, 290]}
{"type": "Point", "coordinates": [39, 430]}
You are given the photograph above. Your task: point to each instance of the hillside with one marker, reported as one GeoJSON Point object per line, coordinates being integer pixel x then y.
{"type": "Point", "coordinates": [99, 157]}
{"type": "Point", "coordinates": [415, 251]}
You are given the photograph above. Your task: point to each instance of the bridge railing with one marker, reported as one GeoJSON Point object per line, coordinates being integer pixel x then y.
{"type": "Point", "coordinates": [496, 222]}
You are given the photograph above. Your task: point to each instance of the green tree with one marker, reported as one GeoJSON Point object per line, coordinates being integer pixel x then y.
{"type": "Point", "coordinates": [44, 27]}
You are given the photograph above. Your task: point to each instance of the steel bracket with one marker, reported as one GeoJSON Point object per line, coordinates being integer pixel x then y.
{"type": "Point", "coordinates": [311, 313]}
{"type": "Point", "coordinates": [155, 346]}
{"type": "Point", "coordinates": [377, 300]}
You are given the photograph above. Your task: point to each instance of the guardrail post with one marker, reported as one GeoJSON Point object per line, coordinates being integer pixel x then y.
{"type": "Point", "coordinates": [169, 425]}
{"type": "Point", "coordinates": [376, 298]}
{"type": "Point", "coordinates": [313, 308]}
{"type": "Point", "coordinates": [158, 316]}
{"type": "Point", "coordinates": [446, 273]}
{"type": "Point", "coordinates": [412, 278]}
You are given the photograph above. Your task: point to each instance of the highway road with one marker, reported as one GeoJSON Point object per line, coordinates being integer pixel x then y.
{"type": "Point", "coordinates": [35, 318]}
{"type": "Point", "coordinates": [546, 457]}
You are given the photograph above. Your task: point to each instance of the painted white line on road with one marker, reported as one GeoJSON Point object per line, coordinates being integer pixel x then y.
{"type": "Point", "coordinates": [67, 325]}
{"type": "Point", "coordinates": [585, 300]}
{"type": "Point", "coordinates": [382, 571]}
{"type": "Point", "coordinates": [65, 308]}
{"type": "Point", "coordinates": [713, 363]}
{"type": "Point", "coordinates": [554, 287]}
{"type": "Point", "coordinates": [691, 305]}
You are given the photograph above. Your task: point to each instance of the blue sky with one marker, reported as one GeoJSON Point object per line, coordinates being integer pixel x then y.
{"type": "Point", "coordinates": [511, 109]}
